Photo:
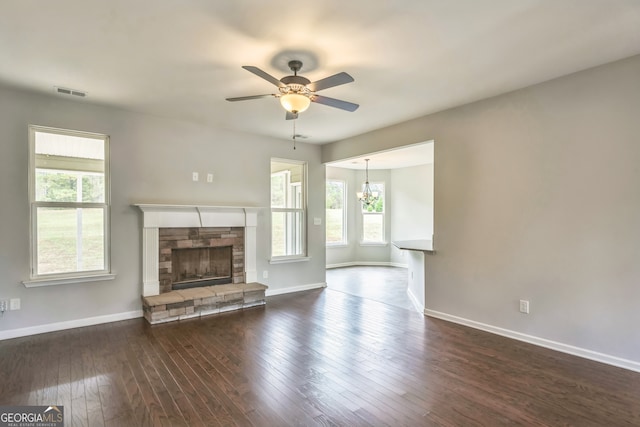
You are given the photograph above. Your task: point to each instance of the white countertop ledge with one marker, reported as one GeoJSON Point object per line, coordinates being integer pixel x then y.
{"type": "Point", "coordinates": [423, 245]}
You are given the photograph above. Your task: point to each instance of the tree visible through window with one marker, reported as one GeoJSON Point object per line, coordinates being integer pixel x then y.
{"type": "Point", "coordinates": [336, 213]}
{"type": "Point", "coordinates": [69, 202]}
{"type": "Point", "coordinates": [373, 217]}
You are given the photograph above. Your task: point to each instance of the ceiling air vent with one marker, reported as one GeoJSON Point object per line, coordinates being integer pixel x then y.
{"type": "Point", "coordinates": [67, 91]}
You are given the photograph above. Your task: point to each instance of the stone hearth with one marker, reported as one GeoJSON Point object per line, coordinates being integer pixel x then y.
{"type": "Point", "coordinates": [196, 302]}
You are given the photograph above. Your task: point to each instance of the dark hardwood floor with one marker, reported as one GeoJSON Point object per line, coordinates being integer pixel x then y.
{"type": "Point", "coordinates": [311, 358]}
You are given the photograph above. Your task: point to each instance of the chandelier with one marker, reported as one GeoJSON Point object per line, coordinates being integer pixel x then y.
{"type": "Point", "coordinates": [367, 197]}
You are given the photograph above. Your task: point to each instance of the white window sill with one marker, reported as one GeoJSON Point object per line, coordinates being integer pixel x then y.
{"type": "Point", "coordinates": [338, 245]}
{"type": "Point", "coordinates": [289, 259]}
{"type": "Point", "coordinates": [374, 243]}
{"type": "Point", "coordinates": [36, 283]}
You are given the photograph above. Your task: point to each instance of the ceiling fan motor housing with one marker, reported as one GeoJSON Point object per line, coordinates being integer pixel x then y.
{"type": "Point", "coordinates": [295, 80]}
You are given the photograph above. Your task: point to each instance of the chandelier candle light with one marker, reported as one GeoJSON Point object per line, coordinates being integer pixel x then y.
{"type": "Point", "coordinates": [367, 197]}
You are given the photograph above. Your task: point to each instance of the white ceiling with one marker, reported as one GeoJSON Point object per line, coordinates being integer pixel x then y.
{"type": "Point", "coordinates": [181, 59]}
{"type": "Point", "coordinates": [413, 155]}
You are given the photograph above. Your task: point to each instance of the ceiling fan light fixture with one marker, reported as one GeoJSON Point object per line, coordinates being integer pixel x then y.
{"type": "Point", "coordinates": [295, 102]}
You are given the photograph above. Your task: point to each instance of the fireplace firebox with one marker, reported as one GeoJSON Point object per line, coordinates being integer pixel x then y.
{"type": "Point", "coordinates": [200, 256]}
{"type": "Point", "coordinates": [194, 267]}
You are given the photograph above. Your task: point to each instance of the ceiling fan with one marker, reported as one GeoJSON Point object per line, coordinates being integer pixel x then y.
{"type": "Point", "coordinates": [296, 93]}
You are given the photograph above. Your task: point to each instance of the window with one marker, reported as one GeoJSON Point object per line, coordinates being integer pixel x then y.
{"type": "Point", "coordinates": [373, 217]}
{"type": "Point", "coordinates": [69, 198]}
{"type": "Point", "coordinates": [288, 209]}
{"type": "Point", "coordinates": [336, 213]}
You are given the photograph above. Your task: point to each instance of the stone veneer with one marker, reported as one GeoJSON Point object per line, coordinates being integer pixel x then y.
{"type": "Point", "coordinates": [170, 238]}
{"type": "Point", "coordinates": [195, 302]}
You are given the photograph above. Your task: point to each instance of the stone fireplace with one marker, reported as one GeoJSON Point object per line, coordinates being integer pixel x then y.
{"type": "Point", "coordinates": [196, 260]}
{"type": "Point", "coordinates": [196, 257]}
{"type": "Point", "coordinates": [169, 227]}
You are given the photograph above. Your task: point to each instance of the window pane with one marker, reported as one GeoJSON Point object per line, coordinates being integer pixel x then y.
{"type": "Point", "coordinates": [335, 212]}
{"type": "Point", "coordinates": [373, 227]}
{"type": "Point", "coordinates": [288, 199]}
{"type": "Point", "coordinates": [278, 190]}
{"type": "Point", "coordinates": [61, 145]}
{"type": "Point", "coordinates": [286, 233]}
{"type": "Point", "coordinates": [69, 168]}
{"type": "Point", "coordinates": [70, 240]}
{"type": "Point", "coordinates": [63, 186]}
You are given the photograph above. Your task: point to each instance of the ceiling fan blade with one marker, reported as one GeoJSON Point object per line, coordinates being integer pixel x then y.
{"type": "Point", "coordinates": [337, 103]}
{"type": "Point", "coordinates": [268, 77]}
{"type": "Point", "coordinates": [331, 81]}
{"type": "Point", "coordinates": [291, 116]}
{"type": "Point", "coordinates": [244, 98]}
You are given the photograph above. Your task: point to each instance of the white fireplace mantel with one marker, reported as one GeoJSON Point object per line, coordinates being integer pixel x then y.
{"type": "Point", "coordinates": [156, 216]}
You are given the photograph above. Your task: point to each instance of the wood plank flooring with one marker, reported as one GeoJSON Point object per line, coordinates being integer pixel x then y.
{"type": "Point", "coordinates": [320, 357]}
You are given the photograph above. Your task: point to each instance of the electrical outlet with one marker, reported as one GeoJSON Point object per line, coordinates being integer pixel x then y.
{"type": "Point", "coordinates": [209, 177]}
{"type": "Point", "coordinates": [4, 305]}
{"type": "Point", "coordinates": [265, 274]}
{"type": "Point", "coordinates": [14, 304]}
{"type": "Point", "coordinates": [195, 176]}
{"type": "Point", "coordinates": [524, 306]}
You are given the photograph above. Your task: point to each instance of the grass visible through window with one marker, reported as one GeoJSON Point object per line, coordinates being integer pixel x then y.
{"type": "Point", "coordinates": [57, 240]}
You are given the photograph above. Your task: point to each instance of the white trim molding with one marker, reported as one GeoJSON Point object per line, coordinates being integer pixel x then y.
{"type": "Point", "coordinates": [366, 264]}
{"type": "Point", "coordinates": [289, 290]}
{"type": "Point", "coordinates": [542, 342]}
{"type": "Point", "coordinates": [69, 324]}
{"type": "Point", "coordinates": [156, 216]}
{"type": "Point", "coordinates": [36, 283]}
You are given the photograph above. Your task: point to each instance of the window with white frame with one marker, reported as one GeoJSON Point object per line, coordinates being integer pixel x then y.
{"type": "Point", "coordinates": [69, 199]}
{"type": "Point", "coordinates": [288, 209]}
{"type": "Point", "coordinates": [373, 216]}
{"type": "Point", "coordinates": [336, 213]}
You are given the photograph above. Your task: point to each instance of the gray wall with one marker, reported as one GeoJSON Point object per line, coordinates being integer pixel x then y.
{"type": "Point", "coordinates": [151, 162]}
{"type": "Point", "coordinates": [537, 197]}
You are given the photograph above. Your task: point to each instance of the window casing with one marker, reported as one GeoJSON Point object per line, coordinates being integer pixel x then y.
{"type": "Point", "coordinates": [288, 209]}
{"type": "Point", "coordinates": [69, 203]}
{"type": "Point", "coordinates": [336, 213]}
{"type": "Point", "coordinates": [373, 217]}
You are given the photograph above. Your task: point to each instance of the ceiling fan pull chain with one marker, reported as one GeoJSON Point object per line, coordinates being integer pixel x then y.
{"type": "Point", "coordinates": [294, 134]}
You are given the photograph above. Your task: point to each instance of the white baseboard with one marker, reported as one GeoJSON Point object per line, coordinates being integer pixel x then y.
{"type": "Point", "coordinates": [70, 324]}
{"type": "Point", "coordinates": [291, 289]}
{"type": "Point", "coordinates": [542, 342]}
{"type": "Point", "coordinates": [418, 306]}
{"type": "Point", "coordinates": [366, 264]}
{"type": "Point", "coordinates": [399, 265]}
{"type": "Point", "coordinates": [342, 264]}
